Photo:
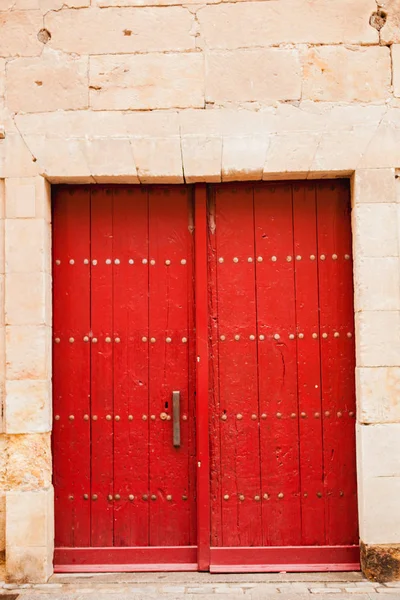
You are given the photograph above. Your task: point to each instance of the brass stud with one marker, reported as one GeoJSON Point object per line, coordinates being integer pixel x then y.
{"type": "Point", "coordinates": [184, 340]}
{"type": "Point", "coordinates": [239, 417]}
{"type": "Point", "coordinates": [280, 495]}
{"type": "Point", "coordinates": [85, 261]}
{"type": "Point", "coordinates": [153, 340]}
{"type": "Point", "coordinates": [339, 414]}
{"type": "Point", "coordinates": [347, 256]}
{"type": "Point", "coordinates": [351, 414]}
{"type": "Point", "coordinates": [117, 340]}
{"type": "Point", "coordinates": [94, 262]}
{"type": "Point", "coordinates": [301, 336]}
{"type": "Point", "coordinates": [226, 497]}
{"type": "Point", "coordinates": [349, 335]}
{"type": "Point", "coordinates": [222, 338]}
{"type": "Point", "coordinates": [319, 494]}
{"type": "Point", "coordinates": [237, 337]}
{"type": "Point", "coordinates": [224, 417]}
{"type": "Point", "coordinates": [259, 258]}
{"type": "Point", "coordinates": [72, 262]}
{"type": "Point", "coordinates": [86, 338]}
{"type": "Point", "coordinates": [117, 261]}
{"type": "Point", "coordinates": [291, 336]}
{"type": "Point", "coordinates": [117, 497]}
{"type": "Point", "coordinates": [167, 262]}
{"type": "Point", "coordinates": [305, 495]}
{"type": "Point", "coordinates": [317, 415]}
{"type": "Point", "coordinates": [184, 498]}
{"type": "Point", "coordinates": [131, 497]}
{"type": "Point", "coordinates": [324, 335]}
{"type": "Point", "coordinates": [322, 257]}
{"type": "Point", "coordinates": [86, 496]}
{"type": "Point", "coordinates": [168, 417]}
{"type": "Point", "coordinates": [153, 417]}
{"type": "Point", "coordinates": [250, 260]}
{"type": "Point", "coordinates": [263, 416]}
{"type": "Point", "coordinates": [94, 497]}
{"type": "Point", "coordinates": [273, 258]}
{"type": "Point", "coordinates": [145, 497]}
{"type": "Point", "coordinates": [110, 497]}
{"type": "Point", "coordinates": [94, 340]}
{"type": "Point", "coordinates": [71, 417]}
{"type": "Point", "coordinates": [144, 339]}
{"type": "Point", "coordinates": [252, 337]}
{"type": "Point", "coordinates": [184, 417]}
{"type": "Point", "coordinates": [163, 416]}
{"type": "Point", "coordinates": [57, 418]}
{"type": "Point", "coordinates": [183, 261]}
{"type": "Point", "coordinates": [266, 497]}
{"type": "Point", "coordinates": [298, 257]}
{"type": "Point", "coordinates": [241, 497]}
{"type": "Point", "coordinates": [70, 497]}
{"type": "Point", "coordinates": [303, 415]}
{"type": "Point", "coordinates": [86, 417]}
{"type": "Point", "coordinates": [261, 338]}
{"type": "Point", "coordinates": [336, 334]}
{"type": "Point", "coordinates": [131, 261]}
{"type": "Point", "coordinates": [341, 493]}
{"type": "Point", "coordinates": [108, 417]}
{"type": "Point", "coordinates": [327, 413]}
{"type": "Point", "coordinates": [130, 417]}
{"type": "Point", "coordinates": [293, 415]}
{"type": "Point", "coordinates": [108, 340]}
{"type": "Point", "coordinates": [312, 257]}
{"type": "Point", "coordinates": [169, 498]}
{"type": "Point", "coordinates": [58, 262]}
{"type": "Point", "coordinates": [168, 340]}
{"type": "Point", "coordinates": [254, 417]}
{"type": "Point", "coordinates": [220, 260]}
{"type": "Point", "coordinates": [71, 340]}
{"type": "Point", "coordinates": [277, 336]}
{"type": "Point", "coordinates": [153, 497]}
{"type": "Point", "coordinates": [94, 418]}
{"type": "Point", "coordinates": [315, 335]}
{"type": "Point", "coordinates": [144, 261]}
{"type": "Point", "coordinates": [144, 417]}
{"type": "Point", "coordinates": [334, 256]}
{"type": "Point", "coordinates": [117, 418]}
{"type": "Point", "coordinates": [152, 262]}
{"type": "Point", "coordinates": [57, 340]}
{"type": "Point", "coordinates": [289, 259]}
{"type": "Point", "coordinates": [279, 415]}
{"type": "Point", "coordinates": [257, 498]}
{"type": "Point", "coordinates": [235, 260]}
{"type": "Point", "coordinates": [108, 261]}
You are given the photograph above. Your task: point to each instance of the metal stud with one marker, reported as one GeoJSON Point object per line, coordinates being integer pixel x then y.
{"type": "Point", "coordinates": [252, 337]}
{"type": "Point", "coordinates": [237, 337]}
{"type": "Point", "coordinates": [319, 494]}
{"type": "Point", "coordinates": [86, 338]}
{"type": "Point", "coordinates": [94, 418]}
{"type": "Point", "coordinates": [94, 262]}
{"type": "Point", "coordinates": [347, 256]}
{"type": "Point", "coordinates": [291, 336]}
{"type": "Point", "coordinates": [110, 497]}
{"type": "Point", "coordinates": [312, 257]}
{"type": "Point", "coordinates": [254, 417]}
{"type": "Point", "coordinates": [324, 335]}
{"type": "Point", "coordinates": [261, 338]}
{"type": "Point", "coordinates": [108, 261]}
{"type": "Point", "coordinates": [117, 261]}
{"type": "Point", "coordinates": [265, 496]}
{"type": "Point", "coordinates": [117, 418]}
{"type": "Point", "coordinates": [130, 417]}
{"type": "Point", "coordinates": [259, 258]}
{"type": "Point", "coordinates": [183, 261]}
{"type": "Point", "coordinates": [153, 340]}
{"type": "Point", "coordinates": [293, 415]}
{"type": "Point", "coordinates": [71, 340]}
{"type": "Point", "coordinates": [349, 335]}
{"type": "Point", "coordinates": [85, 261]}
{"type": "Point", "coordinates": [279, 415]}
{"type": "Point", "coordinates": [153, 417]}
{"type": "Point", "coordinates": [70, 497]}
{"type": "Point", "coordinates": [327, 413]}
{"type": "Point", "coordinates": [144, 417]}
{"type": "Point", "coordinates": [145, 497]}
{"type": "Point", "coordinates": [322, 257]}
{"type": "Point", "coordinates": [94, 497]}
{"type": "Point", "coordinates": [168, 417]}
{"type": "Point", "coordinates": [241, 497]}
{"type": "Point", "coordinates": [117, 340]}
{"type": "Point", "coordinates": [226, 497]}
{"type": "Point", "coordinates": [108, 417]}
{"type": "Point", "coordinates": [144, 261]}
{"type": "Point", "coordinates": [108, 340]}
{"type": "Point", "coordinates": [289, 259]}
{"type": "Point", "coordinates": [351, 413]}
{"type": "Point", "coordinates": [273, 258]}
{"type": "Point", "coordinates": [223, 418]}
{"type": "Point", "coordinates": [57, 340]}
{"type": "Point", "coordinates": [339, 414]}
{"type": "Point", "coordinates": [144, 339]}
{"type": "Point", "coordinates": [71, 417]}
{"type": "Point", "coordinates": [167, 262]}
{"type": "Point", "coordinates": [305, 495]}
{"type": "Point", "coordinates": [317, 415]}
{"type": "Point", "coordinates": [263, 416]}
{"type": "Point", "coordinates": [235, 260]}
{"type": "Point", "coordinates": [184, 498]}
{"type": "Point", "coordinates": [303, 415]}
{"type": "Point", "coordinates": [277, 336]}
{"type": "Point", "coordinates": [58, 262]}
{"type": "Point", "coordinates": [153, 497]}
{"type": "Point", "coordinates": [169, 497]}
{"type": "Point", "coordinates": [57, 418]}
{"type": "Point", "coordinates": [168, 340]}
{"type": "Point", "coordinates": [315, 335]}
{"type": "Point", "coordinates": [94, 340]}
{"type": "Point", "coordinates": [334, 256]}
{"type": "Point", "coordinates": [220, 260]}
{"type": "Point", "coordinates": [152, 262]}
{"type": "Point", "coordinates": [163, 416]}
{"type": "Point", "coordinates": [131, 261]}
{"type": "Point", "coordinates": [86, 496]}
{"type": "Point", "coordinates": [222, 338]}
{"type": "Point", "coordinates": [336, 334]}
{"type": "Point", "coordinates": [86, 417]}
{"type": "Point", "coordinates": [239, 417]}
{"type": "Point", "coordinates": [184, 340]}
{"type": "Point", "coordinates": [298, 257]}
{"type": "Point", "coordinates": [280, 495]}
{"type": "Point", "coordinates": [301, 336]}
{"type": "Point", "coordinates": [184, 417]}
{"type": "Point", "coordinates": [341, 493]}
{"type": "Point", "coordinates": [250, 260]}
{"type": "Point", "coordinates": [72, 262]}
{"type": "Point", "coordinates": [257, 498]}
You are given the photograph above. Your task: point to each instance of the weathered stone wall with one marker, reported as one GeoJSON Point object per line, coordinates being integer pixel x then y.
{"type": "Point", "coordinates": [144, 91]}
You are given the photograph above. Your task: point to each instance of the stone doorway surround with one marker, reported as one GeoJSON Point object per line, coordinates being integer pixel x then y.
{"type": "Point", "coordinates": [285, 142]}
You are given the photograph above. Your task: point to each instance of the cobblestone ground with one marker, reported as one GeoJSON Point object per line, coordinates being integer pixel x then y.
{"type": "Point", "coordinates": [199, 586]}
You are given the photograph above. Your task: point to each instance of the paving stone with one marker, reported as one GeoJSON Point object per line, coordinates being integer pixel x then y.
{"type": "Point", "coordinates": [325, 590]}
{"type": "Point", "coordinates": [173, 589]}
{"type": "Point", "coordinates": [357, 590]}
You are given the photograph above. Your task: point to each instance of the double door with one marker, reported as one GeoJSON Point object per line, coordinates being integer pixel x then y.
{"type": "Point", "coordinates": [203, 374]}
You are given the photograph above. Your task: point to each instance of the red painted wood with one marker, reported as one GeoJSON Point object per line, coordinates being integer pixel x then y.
{"type": "Point", "coordinates": [131, 365]}
{"type": "Point", "coordinates": [308, 365]}
{"type": "Point", "coordinates": [337, 360]}
{"type": "Point", "coordinates": [170, 247]}
{"type": "Point", "coordinates": [276, 305]}
{"type": "Point", "coordinates": [102, 347]}
{"type": "Point", "coordinates": [126, 559]}
{"type": "Point", "coordinates": [238, 386]}
{"type": "Point", "coordinates": [202, 366]}
{"type": "Point", "coordinates": [71, 365]}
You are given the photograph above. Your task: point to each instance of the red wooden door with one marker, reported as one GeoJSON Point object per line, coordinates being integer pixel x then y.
{"type": "Point", "coordinates": [123, 343]}
{"type": "Point", "coordinates": [268, 448]}
{"type": "Point", "coordinates": [282, 409]}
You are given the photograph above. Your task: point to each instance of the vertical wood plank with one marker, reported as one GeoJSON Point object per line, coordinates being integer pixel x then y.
{"type": "Point", "coordinates": [131, 368]}
{"type": "Point", "coordinates": [202, 366]}
{"type": "Point", "coordinates": [102, 344]}
{"type": "Point", "coordinates": [71, 365]}
{"type": "Point", "coordinates": [277, 364]}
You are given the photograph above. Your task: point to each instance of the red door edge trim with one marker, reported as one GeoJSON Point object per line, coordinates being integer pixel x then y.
{"type": "Point", "coordinates": [201, 304]}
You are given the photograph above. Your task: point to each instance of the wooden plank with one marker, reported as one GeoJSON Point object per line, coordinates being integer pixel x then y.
{"type": "Point", "coordinates": [308, 364]}
{"type": "Point", "coordinates": [71, 365]}
{"type": "Point", "coordinates": [131, 365]}
{"type": "Point", "coordinates": [102, 345]}
{"type": "Point", "coordinates": [276, 327]}
{"type": "Point", "coordinates": [238, 383]}
{"type": "Point", "coordinates": [202, 364]}
{"type": "Point", "coordinates": [337, 358]}
{"type": "Point", "coordinates": [170, 249]}
{"type": "Point", "coordinates": [164, 558]}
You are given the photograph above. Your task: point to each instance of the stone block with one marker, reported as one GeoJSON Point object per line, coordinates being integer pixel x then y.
{"type": "Point", "coordinates": [143, 81]}
{"type": "Point", "coordinates": [396, 68]}
{"type": "Point", "coordinates": [378, 338]}
{"type": "Point", "coordinates": [374, 185]}
{"type": "Point", "coordinates": [378, 394]}
{"type": "Point", "coordinates": [158, 160]}
{"type": "Point", "coordinates": [28, 197]}
{"type": "Point", "coordinates": [121, 30]}
{"type": "Point", "coordinates": [28, 245]}
{"type": "Point", "coordinates": [378, 508]}
{"type": "Point", "coordinates": [366, 78]}
{"type": "Point", "coordinates": [246, 24]}
{"type": "Point", "coordinates": [111, 158]}
{"type": "Point", "coordinates": [341, 150]}
{"type": "Point", "coordinates": [28, 352]}
{"type": "Point", "coordinates": [375, 230]}
{"type": "Point", "coordinates": [390, 32]}
{"type": "Point", "coordinates": [262, 76]}
{"type": "Point", "coordinates": [18, 159]}
{"type": "Point", "coordinates": [290, 154]}
{"type": "Point", "coordinates": [53, 81]}
{"type": "Point", "coordinates": [2, 521]}
{"type": "Point", "coordinates": [201, 158]}
{"type": "Point", "coordinates": [28, 462]}
{"type": "Point", "coordinates": [383, 148]}
{"type": "Point", "coordinates": [28, 298]}
{"type": "Point", "coordinates": [380, 449]}
{"type": "Point", "coordinates": [243, 158]}
{"type": "Point", "coordinates": [377, 283]}
{"type": "Point", "coordinates": [19, 29]}
{"type": "Point", "coordinates": [28, 406]}
{"type": "Point", "coordinates": [2, 77]}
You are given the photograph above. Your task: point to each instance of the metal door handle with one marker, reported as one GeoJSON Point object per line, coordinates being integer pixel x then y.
{"type": "Point", "coordinates": [176, 422]}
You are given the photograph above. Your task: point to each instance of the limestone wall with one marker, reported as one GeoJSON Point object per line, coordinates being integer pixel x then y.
{"type": "Point", "coordinates": [143, 91]}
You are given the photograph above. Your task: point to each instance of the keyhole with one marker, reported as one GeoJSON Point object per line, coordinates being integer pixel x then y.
{"type": "Point", "coordinates": [166, 405]}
